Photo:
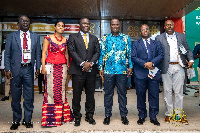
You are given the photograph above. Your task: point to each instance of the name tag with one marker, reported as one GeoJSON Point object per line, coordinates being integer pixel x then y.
{"type": "Point", "coordinates": [27, 54]}
{"type": "Point", "coordinates": [182, 49]}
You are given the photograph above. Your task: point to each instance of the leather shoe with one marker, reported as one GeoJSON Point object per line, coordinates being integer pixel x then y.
{"type": "Point", "coordinates": [167, 119]}
{"type": "Point", "coordinates": [185, 93]}
{"type": "Point", "coordinates": [141, 121]}
{"type": "Point", "coordinates": [5, 98]}
{"type": "Point", "coordinates": [90, 120]}
{"type": "Point", "coordinates": [77, 122]}
{"type": "Point", "coordinates": [106, 120]}
{"type": "Point", "coordinates": [124, 120]}
{"type": "Point", "coordinates": [14, 125]}
{"type": "Point", "coordinates": [155, 122]}
{"type": "Point", "coordinates": [27, 124]}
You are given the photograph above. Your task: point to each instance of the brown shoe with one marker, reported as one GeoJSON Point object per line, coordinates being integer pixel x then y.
{"type": "Point", "coordinates": [184, 121]}
{"type": "Point", "coordinates": [167, 119]}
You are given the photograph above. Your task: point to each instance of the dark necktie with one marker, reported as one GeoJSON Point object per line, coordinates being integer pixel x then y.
{"type": "Point", "coordinates": [25, 46]}
{"type": "Point", "coordinates": [149, 51]}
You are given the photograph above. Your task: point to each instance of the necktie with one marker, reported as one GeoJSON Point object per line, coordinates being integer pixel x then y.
{"type": "Point", "coordinates": [149, 51]}
{"type": "Point", "coordinates": [85, 40]}
{"type": "Point", "coordinates": [25, 46]}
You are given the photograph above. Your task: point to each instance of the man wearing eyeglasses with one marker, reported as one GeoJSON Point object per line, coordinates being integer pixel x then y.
{"type": "Point", "coordinates": [22, 50]}
{"type": "Point", "coordinates": [147, 54]}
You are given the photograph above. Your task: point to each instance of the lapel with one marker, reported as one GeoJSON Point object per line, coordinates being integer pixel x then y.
{"type": "Point", "coordinates": [32, 40]}
{"type": "Point", "coordinates": [82, 44]}
{"type": "Point", "coordinates": [143, 45]}
{"type": "Point", "coordinates": [178, 40]}
{"type": "Point", "coordinates": [90, 41]}
{"type": "Point", "coordinates": [165, 39]}
{"type": "Point", "coordinates": [17, 37]}
{"type": "Point", "coordinates": [152, 46]}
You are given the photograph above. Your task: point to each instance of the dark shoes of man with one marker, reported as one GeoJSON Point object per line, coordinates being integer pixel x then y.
{"type": "Point", "coordinates": [141, 121]}
{"type": "Point", "coordinates": [124, 120]}
{"type": "Point", "coordinates": [5, 98]}
{"type": "Point", "coordinates": [106, 120]}
{"type": "Point", "coordinates": [90, 120]}
{"type": "Point", "coordinates": [27, 124]}
{"type": "Point", "coordinates": [77, 122]}
{"type": "Point", "coordinates": [185, 93]}
{"type": "Point", "coordinates": [15, 125]}
{"type": "Point", "coordinates": [155, 122]}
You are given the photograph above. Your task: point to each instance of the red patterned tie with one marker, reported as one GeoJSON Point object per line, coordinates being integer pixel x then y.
{"type": "Point", "coordinates": [25, 46]}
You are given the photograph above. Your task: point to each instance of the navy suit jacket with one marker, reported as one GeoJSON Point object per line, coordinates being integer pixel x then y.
{"type": "Point", "coordinates": [139, 57]}
{"type": "Point", "coordinates": [13, 52]}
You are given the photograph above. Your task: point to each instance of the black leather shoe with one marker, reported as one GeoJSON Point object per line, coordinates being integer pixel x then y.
{"type": "Point", "coordinates": [155, 122]}
{"type": "Point", "coordinates": [106, 120]}
{"type": "Point", "coordinates": [77, 122]}
{"type": "Point", "coordinates": [5, 98]}
{"type": "Point", "coordinates": [14, 125]}
{"type": "Point", "coordinates": [124, 120]}
{"type": "Point", "coordinates": [90, 120]}
{"type": "Point", "coordinates": [185, 93]}
{"type": "Point", "coordinates": [141, 121]}
{"type": "Point", "coordinates": [27, 124]}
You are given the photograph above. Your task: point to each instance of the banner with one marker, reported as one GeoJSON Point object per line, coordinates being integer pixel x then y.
{"type": "Point", "coordinates": [40, 27]}
{"type": "Point", "coordinates": [192, 21]}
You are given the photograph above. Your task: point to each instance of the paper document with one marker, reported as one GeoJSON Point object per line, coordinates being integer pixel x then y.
{"type": "Point", "coordinates": [47, 68]}
{"type": "Point", "coordinates": [153, 72]}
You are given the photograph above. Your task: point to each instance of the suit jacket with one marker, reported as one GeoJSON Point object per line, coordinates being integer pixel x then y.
{"type": "Point", "coordinates": [78, 52]}
{"type": "Point", "coordinates": [13, 52]}
{"type": "Point", "coordinates": [166, 49]}
{"type": "Point", "coordinates": [139, 57]}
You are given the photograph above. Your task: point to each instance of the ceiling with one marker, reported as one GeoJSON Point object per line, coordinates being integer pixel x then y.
{"type": "Point", "coordinates": [98, 9]}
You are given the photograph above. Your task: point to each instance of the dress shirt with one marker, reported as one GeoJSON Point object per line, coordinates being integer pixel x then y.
{"type": "Point", "coordinates": [148, 40]}
{"type": "Point", "coordinates": [114, 52]}
{"type": "Point", "coordinates": [28, 43]}
{"type": "Point", "coordinates": [87, 36]}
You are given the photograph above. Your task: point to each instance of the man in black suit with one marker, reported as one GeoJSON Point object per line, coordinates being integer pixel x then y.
{"type": "Point", "coordinates": [85, 50]}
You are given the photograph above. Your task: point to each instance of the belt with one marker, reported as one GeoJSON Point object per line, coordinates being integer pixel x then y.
{"type": "Point", "coordinates": [27, 64]}
{"type": "Point", "coordinates": [173, 63]}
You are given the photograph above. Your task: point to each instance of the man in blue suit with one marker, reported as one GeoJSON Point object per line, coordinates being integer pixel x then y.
{"type": "Point", "coordinates": [22, 49]}
{"type": "Point", "coordinates": [147, 54]}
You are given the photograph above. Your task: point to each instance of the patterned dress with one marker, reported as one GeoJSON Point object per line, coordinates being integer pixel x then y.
{"type": "Point", "coordinates": [56, 110]}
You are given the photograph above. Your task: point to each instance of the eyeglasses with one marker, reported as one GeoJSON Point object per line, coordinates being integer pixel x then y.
{"type": "Point", "coordinates": [145, 29]}
{"type": "Point", "coordinates": [24, 21]}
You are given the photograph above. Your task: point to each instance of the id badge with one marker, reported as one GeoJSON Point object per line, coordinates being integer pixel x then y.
{"type": "Point", "coordinates": [183, 50]}
{"type": "Point", "coordinates": [27, 54]}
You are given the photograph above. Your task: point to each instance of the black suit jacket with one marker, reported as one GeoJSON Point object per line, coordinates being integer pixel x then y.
{"type": "Point", "coordinates": [78, 52]}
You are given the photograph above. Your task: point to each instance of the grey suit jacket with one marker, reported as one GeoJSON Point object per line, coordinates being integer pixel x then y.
{"type": "Point", "coordinates": [166, 49]}
{"type": "Point", "coordinates": [13, 52]}
{"type": "Point", "coordinates": [78, 52]}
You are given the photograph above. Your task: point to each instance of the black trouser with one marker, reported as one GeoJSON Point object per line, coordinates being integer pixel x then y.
{"type": "Point", "coordinates": [87, 81]}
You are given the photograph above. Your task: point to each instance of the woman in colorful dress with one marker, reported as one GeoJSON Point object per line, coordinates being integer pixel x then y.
{"type": "Point", "coordinates": [55, 110]}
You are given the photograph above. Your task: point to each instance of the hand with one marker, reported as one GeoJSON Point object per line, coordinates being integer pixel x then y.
{"type": "Point", "coordinates": [9, 75]}
{"type": "Point", "coordinates": [189, 64]}
{"type": "Point", "coordinates": [87, 66]}
{"type": "Point", "coordinates": [148, 65]}
{"type": "Point", "coordinates": [37, 73]}
{"type": "Point", "coordinates": [44, 71]}
{"type": "Point", "coordinates": [129, 71]}
{"type": "Point", "coordinates": [101, 73]}
{"type": "Point", "coordinates": [151, 68]}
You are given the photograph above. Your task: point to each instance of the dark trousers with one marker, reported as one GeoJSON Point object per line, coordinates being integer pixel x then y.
{"type": "Point", "coordinates": [141, 86]}
{"type": "Point", "coordinates": [40, 80]}
{"type": "Point", "coordinates": [109, 84]}
{"type": "Point", "coordinates": [87, 81]}
{"type": "Point", "coordinates": [26, 79]}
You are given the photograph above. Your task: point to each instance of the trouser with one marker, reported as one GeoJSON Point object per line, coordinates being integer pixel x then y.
{"type": "Point", "coordinates": [78, 82]}
{"type": "Point", "coordinates": [173, 80]}
{"type": "Point", "coordinates": [109, 83]}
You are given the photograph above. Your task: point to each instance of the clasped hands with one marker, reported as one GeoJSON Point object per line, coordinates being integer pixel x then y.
{"type": "Point", "coordinates": [87, 66]}
{"type": "Point", "coordinates": [149, 65]}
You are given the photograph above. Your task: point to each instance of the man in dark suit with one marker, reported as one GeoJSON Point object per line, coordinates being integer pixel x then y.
{"type": "Point", "coordinates": [22, 49]}
{"type": "Point", "coordinates": [84, 50]}
{"type": "Point", "coordinates": [147, 55]}
{"type": "Point", "coordinates": [177, 56]}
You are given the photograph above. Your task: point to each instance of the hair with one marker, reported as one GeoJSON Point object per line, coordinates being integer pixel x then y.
{"type": "Point", "coordinates": [58, 22]}
{"type": "Point", "coordinates": [113, 19]}
{"type": "Point", "coordinates": [82, 19]}
{"type": "Point", "coordinates": [142, 25]}
{"type": "Point", "coordinates": [22, 16]}
{"type": "Point", "coordinates": [169, 20]}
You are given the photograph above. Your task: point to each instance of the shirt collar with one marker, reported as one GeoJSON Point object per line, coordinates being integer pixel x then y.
{"type": "Point", "coordinates": [22, 33]}
{"type": "Point", "coordinates": [84, 33]}
{"type": "Point", "coordinates": [174, 35]}
{"type": "Point", "coordinates": [147, 40]}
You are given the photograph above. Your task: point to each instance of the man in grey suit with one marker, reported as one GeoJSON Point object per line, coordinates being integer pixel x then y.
{"type": "Point", "coordinates": [22, 49]}
{"type": "Point", "coordinates": [177, 56]}
{"type": "Point", "coordinates": [85, 51]}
